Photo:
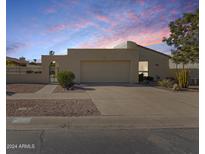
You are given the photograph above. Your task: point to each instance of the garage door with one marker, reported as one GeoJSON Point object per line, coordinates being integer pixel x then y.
{"type": "Point", "coordinates": [105, 71]}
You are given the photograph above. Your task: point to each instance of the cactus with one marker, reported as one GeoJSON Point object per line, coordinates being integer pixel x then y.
{"type": "Point", "coordinates": [183, 78]}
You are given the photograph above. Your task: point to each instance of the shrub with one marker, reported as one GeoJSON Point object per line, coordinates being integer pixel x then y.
{"type": "Point", "coordinates": [149, 78]}
{"type": "Point", "coordinates": [176, 87]}
{"type": "Point", "coordinates": [141, 77]}
{"type": "Point", "coordinates": [29, 71]}
{"type": "Point", "coordinates": [66, 79]}
{"type": "Point", "coordinates": [37, 72]}
{"type": "Point", "coordinates": [171, 78]}
{"type": "Point", "coordinates": [182, 78]}
{"type": "Point", "coordinates": [166, 83]}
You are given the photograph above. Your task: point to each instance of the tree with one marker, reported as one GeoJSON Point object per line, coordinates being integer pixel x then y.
{"type": "Point", "coordinates": [34, 60]}
{"type": "Point", "coordinates": [51, 53]}
{"type": "Point", "coordinates": [184, 38]}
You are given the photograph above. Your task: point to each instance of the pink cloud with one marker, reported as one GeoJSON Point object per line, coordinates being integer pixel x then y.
{"type": "Point", "coordinates": [102, 18]}
{"type": "Point", "coordinates": [57, 28]}
{"type": "Point", "coordinates": [142, 2]}
{"type": "Point", "coordinates": [162, 17]}
{"type": "Point", "coordinates": [81, 25]}
{"type": "Point", "coordinates": [174, 12]}
{"type": "Point", "coordinates": [76, 26]}
{"type": "Point", "coordinates": [132, 15]}
{"type": "Point", "coordinates": [50, 10]}
{"type": "Point", "coordinates": [153, 10]}
{"type": "Point", "coordinates": [157, 9]}
{"type": "Point", "coordinates": [144, 37]}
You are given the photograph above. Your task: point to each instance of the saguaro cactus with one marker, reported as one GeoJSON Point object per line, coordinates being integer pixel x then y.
{"type": "Point", "coordinates": [183, 78]}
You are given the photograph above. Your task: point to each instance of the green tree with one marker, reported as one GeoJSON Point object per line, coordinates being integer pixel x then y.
{"type": "Point", "coordinates": [34, 60]}
{"type": "Point", "coordinates": [184, 38]}
{"type": "Point", "coordinates": [51, 53]}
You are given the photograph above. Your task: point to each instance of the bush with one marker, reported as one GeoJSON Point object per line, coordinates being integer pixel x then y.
{"type": "Point", "coordinates": [66, 79]}
{"type": "Point", "coordinates": [149, 78]}
{"type": "Point", "coordinates": [166, 83]}
{"type": "Point", "coordinates": [176, 87]}
{"type": "Point", "coordinates": [29, 71]}
{"type": "Point", "coordinates": [37, 72]}
{"type": "Point", "coordinates": [141, 77]}
{"type": "Point", "coordinates": [171, 78]}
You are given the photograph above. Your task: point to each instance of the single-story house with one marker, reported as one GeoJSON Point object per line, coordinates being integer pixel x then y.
{"type": "Point", "coordinates": [123, 64]}
{"type": "Point", "coordinates": [10, 61]}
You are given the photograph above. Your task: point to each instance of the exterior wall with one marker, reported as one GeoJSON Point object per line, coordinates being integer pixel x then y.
{"type": "Point", "coordinates": [61, 60]}
{"type": "Point", "coordinates": [158, 64]}
{"type": "Point", "coordinates": [73, 60]}
{"type": "Point", "coordinates": [25, 78]}
{"type": "Point", "coordinates": [23, 69]}
{"type": "Point", "coordinates": [19, 74]}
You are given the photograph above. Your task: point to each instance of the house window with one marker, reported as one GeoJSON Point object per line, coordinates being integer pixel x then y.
{"type": "Point", "coordinates": [143, 68]}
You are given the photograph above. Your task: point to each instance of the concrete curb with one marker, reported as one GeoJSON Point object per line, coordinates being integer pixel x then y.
{"type": "Point", "coordinates": [100, 122]}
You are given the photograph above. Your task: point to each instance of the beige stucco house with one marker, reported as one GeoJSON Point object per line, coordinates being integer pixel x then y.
{"type": "Point", "coordinates": [123, 64]}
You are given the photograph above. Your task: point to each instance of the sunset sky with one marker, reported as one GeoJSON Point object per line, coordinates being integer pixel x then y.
{"type": "Point", "coordinates": [36, 26]}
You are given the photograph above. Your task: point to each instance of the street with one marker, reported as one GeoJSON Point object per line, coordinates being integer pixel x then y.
{"type": "Point", "coordinates": [103, 141]}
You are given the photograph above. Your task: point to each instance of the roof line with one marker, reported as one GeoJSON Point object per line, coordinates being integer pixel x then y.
{"type": "Point", "coordinates": [118, 49]}
{"type": "Point", "coordinates": [95, 48]}
{"type": "Point", "coordinates": [154, 50]}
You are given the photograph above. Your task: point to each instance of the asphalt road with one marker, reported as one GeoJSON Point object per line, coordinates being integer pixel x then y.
{"type": "Point", "coordinates": [107, 141]}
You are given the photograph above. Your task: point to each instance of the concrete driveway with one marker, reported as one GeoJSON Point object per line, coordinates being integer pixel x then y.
{"type": "Point", "coordinates": [133, 100]}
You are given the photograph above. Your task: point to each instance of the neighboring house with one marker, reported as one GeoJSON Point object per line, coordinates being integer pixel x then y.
{"type": "Point", "coordinates": [16, 62]}
{"type": "Point", "coordinates": [121, 64]}
{"type": "Point", "coordinates": [21, 66]}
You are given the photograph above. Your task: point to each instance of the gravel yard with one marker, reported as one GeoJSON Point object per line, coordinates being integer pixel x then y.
{"type": "Point", "coordinates": [23, 88]}
{"type": "Point", "coordinates": [35, 107]}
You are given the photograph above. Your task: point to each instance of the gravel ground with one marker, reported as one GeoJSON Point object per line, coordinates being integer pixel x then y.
{"type": "Point", "coordinates": [51, 108]}
{"type": "Point", "coordinates": [23, 88]}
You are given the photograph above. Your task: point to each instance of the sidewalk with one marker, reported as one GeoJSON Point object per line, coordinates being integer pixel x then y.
{"type": "Point", "coordinates": [100, 122]}
{"type": "Point", "coordinates": [48, 89]}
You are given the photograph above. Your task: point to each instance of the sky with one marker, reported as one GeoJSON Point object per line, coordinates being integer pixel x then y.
{"type": "Point", "coordinates": [34, 27]}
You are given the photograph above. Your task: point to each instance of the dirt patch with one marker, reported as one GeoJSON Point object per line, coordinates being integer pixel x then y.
{"type": "Point", "coordinates": [23, 88]}
{"type": "Point", "coordinates": [83, 107]}
{"type": "Point", "coordinates": [75, 88]}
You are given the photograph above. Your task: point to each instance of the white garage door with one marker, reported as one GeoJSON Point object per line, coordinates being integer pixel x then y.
{"type": "Point", "coordinates": [105, 71]}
